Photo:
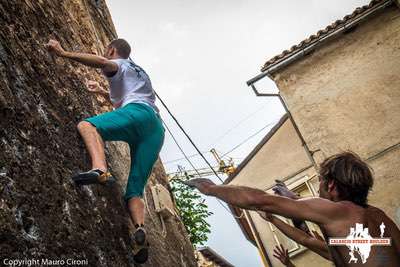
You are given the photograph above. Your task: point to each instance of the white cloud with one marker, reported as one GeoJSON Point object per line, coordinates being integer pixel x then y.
{"type": "Point", "coordinates": [174, 28]}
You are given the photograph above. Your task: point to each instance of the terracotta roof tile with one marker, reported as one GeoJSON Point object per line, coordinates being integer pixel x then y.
{"type": "Point", "coordinates": [321, 33]}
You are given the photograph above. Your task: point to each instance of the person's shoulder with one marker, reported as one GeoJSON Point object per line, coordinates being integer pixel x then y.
{"type": "Point", "coordinates": [116, 71]}
{"type": "Point", "coordinates": [119, 61]}
{"type": "Point", "coordinates": [351, 207]}
{"type": "Point", "coordinates": [373, 208]}
{"type": "Point", "coordinates": [324, 201]}
{"type": "Point", "coordinates": [375, 211]}
{"type": "Point", "coordinates": [338, 209]}
{"type": "Point", "coordinates": [123, 63]}
{"type": "Point", "coordinates": [378, 214]}
{"type": "Point", "coordinates": [325, 211]}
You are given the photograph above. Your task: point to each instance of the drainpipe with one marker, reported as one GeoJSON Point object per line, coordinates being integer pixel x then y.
{"type": "Point", "coordinates": [303, 142]}
{"type": "Point", "coordinates": [261, 249]}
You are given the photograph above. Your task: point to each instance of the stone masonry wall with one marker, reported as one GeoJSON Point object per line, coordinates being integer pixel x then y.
{"type": "Point", "coordinates": [42, 213]}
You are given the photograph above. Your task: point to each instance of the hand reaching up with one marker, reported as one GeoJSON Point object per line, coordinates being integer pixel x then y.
{"type": "Point", "coordinates": [282, 255]}
{"type": "Point", "coordinates": [93, 86]}
{"type": "Point", "coordinates": [55, 48]}
{"type": "Point", "coordinates": [281, 189]}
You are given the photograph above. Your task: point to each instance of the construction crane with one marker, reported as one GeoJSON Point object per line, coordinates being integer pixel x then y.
{"type": "Point", "coordinates": [222, 168]}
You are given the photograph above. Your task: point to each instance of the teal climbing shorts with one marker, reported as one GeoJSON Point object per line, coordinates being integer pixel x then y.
{"type": "Point", "coordinates": [140, 126]}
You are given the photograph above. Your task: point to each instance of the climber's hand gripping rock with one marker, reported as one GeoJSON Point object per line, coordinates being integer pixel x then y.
{"type": "Point", "coordinates": [55, 48]}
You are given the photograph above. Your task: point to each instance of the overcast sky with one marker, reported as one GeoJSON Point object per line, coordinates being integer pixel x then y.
{"type": "Point", "coordinates": [199, 54]}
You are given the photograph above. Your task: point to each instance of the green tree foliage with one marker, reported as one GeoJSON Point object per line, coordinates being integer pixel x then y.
{"type": "Point", "coordinates": [193, 210]}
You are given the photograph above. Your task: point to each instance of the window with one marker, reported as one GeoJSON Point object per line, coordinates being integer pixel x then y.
{"type": "Point", "coordinates": [304, 187]}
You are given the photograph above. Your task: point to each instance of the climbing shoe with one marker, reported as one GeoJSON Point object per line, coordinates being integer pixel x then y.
{"type": "Point", "coordinates": [140, 245]}
{"type": "Point", "coordinates": [95, 176]}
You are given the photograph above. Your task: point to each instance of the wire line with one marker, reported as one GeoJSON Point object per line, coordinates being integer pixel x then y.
{"type": "Point", "coordinates": [236, 125]}
{"type": "Point", "coordinates": [216, 174]}
{"type": "Point", "coordinates": [191, 156]}
{"type": "Point", "coordinates": [248, 138]}
{"type": "Point", "coordinates": [180, 148]}
{"type": "Point", "coordinates": [188, 137]}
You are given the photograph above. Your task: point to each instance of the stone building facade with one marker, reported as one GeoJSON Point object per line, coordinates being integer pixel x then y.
{"type": "Point", "coordinates": [341, 88]}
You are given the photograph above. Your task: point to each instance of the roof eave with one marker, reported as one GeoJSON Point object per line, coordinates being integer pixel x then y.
{"type": "Point", "coordinates": [310, 47]}
{"type": "Point", "coordinates": [214, 256]}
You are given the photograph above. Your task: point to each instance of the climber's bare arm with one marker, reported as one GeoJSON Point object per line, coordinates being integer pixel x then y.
{"type": "Point", "coordinates": [317, 210]}
{"type": "Point", "coordinates": [315, 244]}
{"type": "Point", "coordinates": [90, 60]}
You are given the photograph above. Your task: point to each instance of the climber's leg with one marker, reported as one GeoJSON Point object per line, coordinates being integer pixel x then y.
{"type": "Point", "coordinates": [94, 145]}
{"type": "Point", "coordinates": [136, 210]}
{"type": "Point", "coordinates": [143, 157]}
{"type": "Point", "coordinates": [144, 154]}
{"type": "Point", "coordinates": [144, 150]}
{"type": "Point", "coordinates": [110, 126]}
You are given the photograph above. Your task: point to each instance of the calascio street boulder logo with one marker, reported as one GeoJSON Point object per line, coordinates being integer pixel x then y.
{"type": "Point", "coordinates": [359, 242]}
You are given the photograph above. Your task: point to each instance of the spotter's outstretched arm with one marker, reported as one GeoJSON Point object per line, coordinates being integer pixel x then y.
{"type": "Point", "coordinates": [317, 210]}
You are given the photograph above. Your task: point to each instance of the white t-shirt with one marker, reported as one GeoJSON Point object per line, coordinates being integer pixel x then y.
{"type": "Point", "coordinates": [130, 84]}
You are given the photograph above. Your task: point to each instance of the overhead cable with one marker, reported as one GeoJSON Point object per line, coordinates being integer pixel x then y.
{"type": "Point", "coordinates": [248, 138]}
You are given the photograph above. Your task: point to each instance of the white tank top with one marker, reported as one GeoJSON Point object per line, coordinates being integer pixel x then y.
{"type": "Point", "coordinates": [130, 84]}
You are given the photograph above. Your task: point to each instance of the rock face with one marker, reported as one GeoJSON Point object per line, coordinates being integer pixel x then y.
{"type": "Point", "coordinates": [43, 215]}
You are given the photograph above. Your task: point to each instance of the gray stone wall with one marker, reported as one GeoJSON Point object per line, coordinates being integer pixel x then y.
{"type": "Point", "coordinates": [42, 214]}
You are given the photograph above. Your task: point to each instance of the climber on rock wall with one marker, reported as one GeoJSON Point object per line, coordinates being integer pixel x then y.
{"type": "Point", "coordinates": [134, 120]}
